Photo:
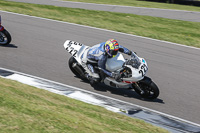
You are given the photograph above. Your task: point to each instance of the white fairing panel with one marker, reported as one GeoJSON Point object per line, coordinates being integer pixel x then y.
{"type": "Point", "coordinates": [138, 74]}
{"type": "Point", "coordinates": [75, 49]}
{"type": "Point", "coordinates": [115, 63]}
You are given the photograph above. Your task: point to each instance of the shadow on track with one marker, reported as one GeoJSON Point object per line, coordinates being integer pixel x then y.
{"type": "Point", "coordinates": [121, 91]}
{"type": "Point", "coordinates": [9, 46]}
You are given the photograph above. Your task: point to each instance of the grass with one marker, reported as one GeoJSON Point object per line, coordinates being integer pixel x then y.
{"type": "Point", "coordinates": [177, 31]}
{"type": "Point", "coordinates": [28, 109]}
{"type": "Point", "coordinates": [142, 3]}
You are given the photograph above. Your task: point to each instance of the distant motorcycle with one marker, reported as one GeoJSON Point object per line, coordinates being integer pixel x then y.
{"type": "Point", "coordinates": [132, 70]}
{"type": "Point", "coordinates": [5, 37]}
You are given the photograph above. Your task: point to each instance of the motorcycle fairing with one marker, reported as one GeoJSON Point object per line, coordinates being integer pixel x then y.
{"type": "Point", "coordinates": [137, 73]}
{"type": "Point", "coordinates": [115, 63]}
{"type": "Point", "coordinates": [75, 49]}
{"type": "Point", "coordinates": [1, 27]}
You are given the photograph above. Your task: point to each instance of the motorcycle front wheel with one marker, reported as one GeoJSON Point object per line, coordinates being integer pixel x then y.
{"type": "Point", "coordinates": [150, 89]}
{"type": "Point", "coordinates": [5, 37]}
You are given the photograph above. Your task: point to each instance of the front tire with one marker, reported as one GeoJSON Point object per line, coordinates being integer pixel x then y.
{"type": "Point", "coordinates": [5, 37]}
{"type": "Point", "coordinates": [150, 89]}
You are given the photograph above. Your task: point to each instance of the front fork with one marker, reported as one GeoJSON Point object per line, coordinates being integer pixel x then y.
{"type": "Point", "coordinates": [136, 86]}
{"type": "Point", "coordinates": [145, 80]}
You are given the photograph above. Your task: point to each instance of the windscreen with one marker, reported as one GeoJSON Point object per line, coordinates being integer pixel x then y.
{"type": "Point", "coordinates": [134, 61]}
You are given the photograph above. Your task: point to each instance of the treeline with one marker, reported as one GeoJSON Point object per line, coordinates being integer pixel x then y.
{"type": "Point", "coordinates": [184, 2]}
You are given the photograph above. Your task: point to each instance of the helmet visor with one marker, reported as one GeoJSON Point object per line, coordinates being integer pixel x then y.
{"type": "Point", "coordinates": [113, 52]}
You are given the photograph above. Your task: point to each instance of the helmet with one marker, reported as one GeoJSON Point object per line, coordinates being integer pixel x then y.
{"type": "Point", "coordinates": [111, 47]}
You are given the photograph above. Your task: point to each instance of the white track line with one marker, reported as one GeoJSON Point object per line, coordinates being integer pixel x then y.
{"type": "Point", "coordinates": [102, 30]}
{"type": "Point", "coordinates": [144, 108]}
{"type": "Point", "coordinates": [126, 6]}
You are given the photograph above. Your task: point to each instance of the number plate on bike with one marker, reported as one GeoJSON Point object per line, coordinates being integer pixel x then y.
{"type": "Point", "coordinates": [73, 47]}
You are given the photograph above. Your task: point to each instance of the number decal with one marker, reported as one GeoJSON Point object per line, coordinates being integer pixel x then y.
{"type": "Point", "coordinates": [73, 48]}
{"type": "Point", "coordinates": [75, 43]}
{"type": "Point", "coordinates": [75, 52]}
{"type": "Point", "coordinates": [143, 70]}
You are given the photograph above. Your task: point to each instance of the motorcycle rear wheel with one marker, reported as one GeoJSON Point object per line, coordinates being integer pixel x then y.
{"type": "Point", "coordinates": [151, 90]}
{"type": "Point", "coordinates": [5, 37]}
{"type": "Point", "coordinates": [71, 62]}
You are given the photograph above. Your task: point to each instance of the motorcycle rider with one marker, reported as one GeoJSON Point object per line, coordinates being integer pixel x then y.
{"type": "Point", "coordinates": [99, 53]}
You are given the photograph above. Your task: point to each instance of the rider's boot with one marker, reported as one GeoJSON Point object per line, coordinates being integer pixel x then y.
{"type": "Point", "coordinates": [102, 76]}
{"type": "Point", "coordinates": [90, 78]}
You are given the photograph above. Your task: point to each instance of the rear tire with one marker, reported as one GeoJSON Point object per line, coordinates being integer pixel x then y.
{"type": "Point", "coordinates": [71, 62]}
{"type": "Point", "coordinates": [5, 37]}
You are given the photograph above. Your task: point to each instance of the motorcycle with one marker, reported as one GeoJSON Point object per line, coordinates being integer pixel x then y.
{"type": "Point", "coordinates": [132, 70]}
{"type": "Point", "coordinates": [5, 37]}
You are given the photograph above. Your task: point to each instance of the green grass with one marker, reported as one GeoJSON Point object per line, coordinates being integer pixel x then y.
{"type": "Point", "coordinates": [26, 109]}
{"type": "Point", "coordinates": [177, 31]}
{"type": "Point", "coordinates": [141, 3]}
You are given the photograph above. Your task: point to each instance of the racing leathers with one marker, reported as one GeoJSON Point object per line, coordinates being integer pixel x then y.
{"type": "Point", "coordinates": [98, 54]}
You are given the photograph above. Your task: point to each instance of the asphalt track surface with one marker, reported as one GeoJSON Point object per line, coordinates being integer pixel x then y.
{"type": "Point", "coordinates": [37, 49]}
{"type": "Point", "coordinates": [155, 12]}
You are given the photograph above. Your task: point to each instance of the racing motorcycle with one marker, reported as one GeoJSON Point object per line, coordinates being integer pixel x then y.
{"type": "Point", "coordinates": [5, 37]}
{"type": "Point", "coordinates": [132, 70]}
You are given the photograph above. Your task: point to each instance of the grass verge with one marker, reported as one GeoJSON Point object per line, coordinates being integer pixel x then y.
{"type": "Point", "coordinates": [28, 109]}
{"type": "Point", "coordinates": [141, 3]}
{"type": "Point", "coordinates": [177, 31]}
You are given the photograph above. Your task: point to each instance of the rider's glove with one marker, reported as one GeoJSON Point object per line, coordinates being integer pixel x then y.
{"type": "Point", "coordinates": [116, 76]}
{"type": "Point", "coordinates": [131, 52]}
